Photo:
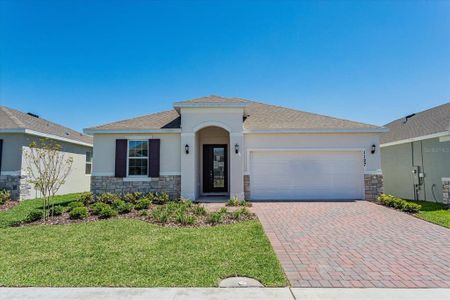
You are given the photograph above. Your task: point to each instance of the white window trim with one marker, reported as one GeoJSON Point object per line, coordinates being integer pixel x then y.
{"type": "Point", "coordinates": [133, 157]}
{"type": "Point", "coordinates": [90, 163]}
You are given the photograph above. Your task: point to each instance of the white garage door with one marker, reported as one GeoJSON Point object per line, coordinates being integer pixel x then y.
{"type": "Point", "coordinates": [306, 175]}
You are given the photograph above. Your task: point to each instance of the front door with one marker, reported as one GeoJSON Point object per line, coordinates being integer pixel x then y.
{"type": "Point", "coordinates": [215, 169]}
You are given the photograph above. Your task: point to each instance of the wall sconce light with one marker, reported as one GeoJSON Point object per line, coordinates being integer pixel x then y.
{"type": "Point", "coordinates": [373, 149]}
{"type": "Point", "coordinates": [236, 149]}
{"type": "Point", "coordinates": [186, 149]}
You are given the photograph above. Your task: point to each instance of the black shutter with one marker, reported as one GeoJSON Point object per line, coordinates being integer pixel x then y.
{"type": "Point", "coordinates": [153, 161]}
{"type": "Point", "coordinates": [121, 158]}
{"type": "Point", "coordinates": [1, 152]}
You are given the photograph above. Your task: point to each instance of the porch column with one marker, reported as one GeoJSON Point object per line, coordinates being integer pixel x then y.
{"type": "Point", "coordinates": [236, 165]}
{"type": "Point", "coordinates": [188, 166]}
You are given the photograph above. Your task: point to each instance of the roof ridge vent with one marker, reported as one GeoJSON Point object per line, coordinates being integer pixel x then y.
{"type": "Point", "coordinates": [408, 117]}
{"type": "Point", "coordinates": [33, 115]}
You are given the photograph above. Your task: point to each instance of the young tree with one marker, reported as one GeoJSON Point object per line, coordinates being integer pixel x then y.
{"type": "Point", "coordinates": [47, 169]}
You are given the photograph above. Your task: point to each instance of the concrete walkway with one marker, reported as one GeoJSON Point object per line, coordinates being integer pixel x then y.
{"type": "Point", "coordinates": [220, 293]}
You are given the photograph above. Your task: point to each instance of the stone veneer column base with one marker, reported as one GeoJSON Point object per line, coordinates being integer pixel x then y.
{"type": "Point", "coordinates": [16, 184]}
{"type": "Point", "coordinates": [108, 184]}
{"type": "Point", "coordinates": [373, 185]}
{"type": "Point", "coordinates": [247, 187]}
{"type": "Point", "coordinates": [446, 191]}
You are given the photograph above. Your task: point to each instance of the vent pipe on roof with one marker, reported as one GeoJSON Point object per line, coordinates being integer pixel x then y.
{"type": "Point", "coordinates": [408, 117]}
{"type": "Point", "coordinates": [33, 115]}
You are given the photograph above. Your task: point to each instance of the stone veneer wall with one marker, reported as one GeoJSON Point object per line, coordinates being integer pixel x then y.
{"type": "Point", "coordinates": [373, 184]}
{"type": "Point", "coordinates": [17, 185]}
{"type": "Point", "coordinates": [108, 184]}
{"type": "Point", "coordinates": [446, 190]}
{"type": "Point", "coordinates": [247, 187]}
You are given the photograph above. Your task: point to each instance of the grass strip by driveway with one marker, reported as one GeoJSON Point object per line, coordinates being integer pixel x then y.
{"type": "Point", "coordinates": [436, 213]}
{"type": "Point", "coordinates": [19, 212]}
{"type": "Point", "coordinates": [127, 252]}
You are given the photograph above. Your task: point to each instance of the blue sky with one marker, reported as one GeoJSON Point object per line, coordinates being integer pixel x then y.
{"type": "Point", "coordinates": [83, 63]}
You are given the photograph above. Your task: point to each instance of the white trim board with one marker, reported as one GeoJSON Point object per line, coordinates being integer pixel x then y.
{"type": "Point", "coordinates": [441, 135]}
{"type": "Point", "coordinates": [131, 131]}
{"type": "Point", "coordinates": [318, 130]}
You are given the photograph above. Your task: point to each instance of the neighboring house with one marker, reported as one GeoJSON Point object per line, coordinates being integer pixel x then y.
{"type": "Point", "coordinates": [18, 130]}
{"type": "Point", "coordinates": [416, 155]}
{"type": "Point", "coordinates": [234, 147]}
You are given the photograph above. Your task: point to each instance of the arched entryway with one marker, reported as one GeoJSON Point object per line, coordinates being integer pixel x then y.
{"type": "Point", "coordinates": [213, 168]}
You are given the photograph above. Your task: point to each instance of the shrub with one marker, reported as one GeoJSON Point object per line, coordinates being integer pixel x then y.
{"type": "Point", "coordinates": [78, 213]}
{"type": "Point", "coordinates": [107, 212]}
{"type": "Point", "coordinates": [57, 210]}
{"type": "Point", "coordinates": [87, 198]}
{"type": "Point", "coordinates": [34, 215]}
{"type": "Point", "coordinates": [108, 198]}
{"type": "Point", "coordinates": [412, 207]}
{"type": "Point", "coordinates": [133, 197]}
{"type": "Point", "coordinates": [185, 219]}
{"type": "Point", "coordinates": [216, 217]}
{"type": "Point", "coordinates": [199, 210]}
{"type": "Point", "coordinates": [143, 203]}
{"type": "Point", "coordinates": [245, 203]}
{"type": "Point", "coordinates": [4, 196]}
{"type": "Point", "coordinates": [223, 210]}
{"type": "Point", "coordinates": [234, 201]}
{"type": "Point", "coordinates": [143, 213]}
{"type": "Point", "coordinates": [122, 207]}
{"type": "Point", "coordinates": [160, 214]}
{"type": "Point", "coordinates": [74, 204]}
{"type": "Point", "coordinates": [397, 203]}
{"type": "Point", "coordinates": [96, 208]}
{"type": "Point", "coordinates": [159, 198]}
{"type": "Point", "coordinates": [243, 212]}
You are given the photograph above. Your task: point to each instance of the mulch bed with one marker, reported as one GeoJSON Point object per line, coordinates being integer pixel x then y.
{"type": "Point", "coordinates": [8, 205]}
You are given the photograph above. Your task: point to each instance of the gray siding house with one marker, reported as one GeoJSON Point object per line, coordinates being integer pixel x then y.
{"type": "Point", "coordinates": [415, 156]}
{"type": "Point", "coordinates": [17, 131]}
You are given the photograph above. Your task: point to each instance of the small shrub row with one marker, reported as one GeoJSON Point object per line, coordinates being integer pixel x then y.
{"type": "Point", "coordinates": [397, 203]}
{"type": "Point", "coordinates": [234, 201]}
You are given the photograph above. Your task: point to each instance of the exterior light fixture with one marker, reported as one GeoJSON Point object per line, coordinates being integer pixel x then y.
{"type": "Point", "coordinates": [186, 149]}
{"type": "Point", "coordinates": [373, 149]}
{"type": "Point", "coordinates": [236, 149]}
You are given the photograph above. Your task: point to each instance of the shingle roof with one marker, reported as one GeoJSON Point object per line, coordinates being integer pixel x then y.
{"type": "Point", "coordinates": [14, 119]}
{"type": "Point", "coordinates": [434, 120]}
{"type": "Point", "coordinates": [259, 117]}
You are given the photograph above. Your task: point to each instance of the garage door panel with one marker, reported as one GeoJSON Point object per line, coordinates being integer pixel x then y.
{"type": "Point", "coordinates": [292, 175]}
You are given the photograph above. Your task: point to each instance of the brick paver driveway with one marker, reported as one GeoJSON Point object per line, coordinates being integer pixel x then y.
{"type": "Point", "coordinates": [355, 244]}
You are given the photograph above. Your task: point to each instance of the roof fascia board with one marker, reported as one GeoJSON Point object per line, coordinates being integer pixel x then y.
{"type": "Point", "coordinates": [44, 135]}
{"type": "Point", "coordinates": [312, 130]}
{"type": "Point", "coordinates": [96, 131]}
{"type": "Point", "coordinates": [419, 138]}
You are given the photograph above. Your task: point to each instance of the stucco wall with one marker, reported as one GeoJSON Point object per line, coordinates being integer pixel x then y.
{"type": "Point", "coordinates": [336, 141]}
{"type": "Point", "coordinates": [12, 152]}
{"type": "Point", "coordinates": [105, 151]}
{"type": "Point", "coordinates": [14, 164]}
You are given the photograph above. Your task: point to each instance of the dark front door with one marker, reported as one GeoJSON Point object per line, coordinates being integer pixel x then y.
{"type": "Point", "coordinates": [215, 169]}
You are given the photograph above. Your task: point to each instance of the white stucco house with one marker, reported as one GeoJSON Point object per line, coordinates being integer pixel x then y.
{"type": "Point", "coordinates": [216, 146]}
{"type": "Point", "coordinates": [18, 130]}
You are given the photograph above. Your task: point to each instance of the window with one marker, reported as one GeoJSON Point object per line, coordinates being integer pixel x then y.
{"type": "Point", "coordinates": [137, 158]}
{"type": "Point", "coordinates": [88, 169]}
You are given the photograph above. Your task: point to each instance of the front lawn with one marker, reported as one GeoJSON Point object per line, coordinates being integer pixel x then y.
{"type": "Point", "coordinates": [436, 213]}
{"type": "Point", "coordinates": [128, 252]}
{"type": "Point", "coordinates": [19, 212]}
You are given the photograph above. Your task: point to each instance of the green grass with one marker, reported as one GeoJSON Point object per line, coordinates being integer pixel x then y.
{"type": "Point", "coordinates": [127, 252]}
{"type": "Point", "coordinates": [19, 212]}
{"type": "Point", "coordinates": [436, 213]}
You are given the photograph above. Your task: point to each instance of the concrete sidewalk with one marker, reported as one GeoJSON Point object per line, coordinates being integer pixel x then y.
{"type": "Point", "coordinates": [221, 293]}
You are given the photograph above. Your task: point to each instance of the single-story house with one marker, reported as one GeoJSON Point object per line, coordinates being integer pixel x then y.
{"type": "Point", "coordinates": [415, 156]}
{"type": "Point", "coordinates": [235, 147]}
{"type": "Point", "coordinates": [17, 131]}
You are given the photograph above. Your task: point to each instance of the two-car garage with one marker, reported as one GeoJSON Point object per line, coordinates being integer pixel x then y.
{"type": "Point", "coordinates": [306, 174]}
